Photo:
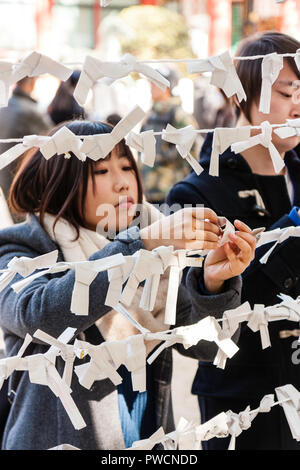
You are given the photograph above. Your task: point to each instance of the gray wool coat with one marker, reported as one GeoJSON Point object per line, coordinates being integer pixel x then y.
{"type": "Point", "coordinates": [37, 419]}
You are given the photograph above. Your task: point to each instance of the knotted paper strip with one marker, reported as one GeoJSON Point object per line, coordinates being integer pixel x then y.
{"type": "Point", "coordinates": [26, 266]}
{"type": "Point", "coordinates": [290, 397]}
{"type": "Point", "coordinates": [62, 142]}
{"type": "Point", "coordinates": [278, 235]}
{"type": "Point", "coordinates": [145, 143]}
{"type": "Point", "coordinates": [184, 139]}
{"type": "Point", "coordinates": [270, 69]}
{"type": "Point", "coordinates": [107, 72]}
{"type": "Point", "coordinates": [42, 371]}
{"type": "Point", "coordinates": [259, 322]}
{"type": "Point", "coordinates": [33, 65]}
{"type": "Point", "coordinates": [222, 139]}
{"type": "Point", "coordinates": [100, 145]}
{"type": "Point", "coordinates": [223, 74]}
{"type": "Point", "coordinates": [291, 129]}
{"type": "Point", "coordinates": [237, 423]}
{"type": "Point", "coordinates": [85, 273]}
{"type": "Point", "coordinates": [265, 139]}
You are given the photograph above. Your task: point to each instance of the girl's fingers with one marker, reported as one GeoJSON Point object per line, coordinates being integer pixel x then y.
{"type": "Point", "coordinates": [205, 225]}
{"type": "Point", "coordinates": [244, 246]}
{"type": "Point", "coordinates": [248, 238]}
{"type": "Point", "coordinates": [204, 213]}
{"type": "Point", "coordinates": [242, 226]}
{"type": "Point", "coordinates": [231, 256]}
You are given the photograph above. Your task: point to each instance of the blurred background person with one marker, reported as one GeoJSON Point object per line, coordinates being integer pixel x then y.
{"type": "Point", "coordinates": [64, 107]}
{"type": "Point", "coordinates": [19, 118]}
{"type": "Point", "coordinates": [169, 167]}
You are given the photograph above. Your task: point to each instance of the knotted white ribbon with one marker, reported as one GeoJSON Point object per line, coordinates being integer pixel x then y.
{"type": "Point", "coordinates": [60, 347]}
{"type": "Point", "coordinates": [85, 274]}
{"type": "Point", "coordinates": [184, 139]}
{"type": "Point", "coordinates": [150, 442]}
{"type": "Point", "coordinates": [101, 365]}
{"type": "Point", "coordinates": [100, 145]}
{"type": "Point", "coordinates": [145, 262]}
{"type": "Point", "coordinates": [259, 322]}
{"type": "Point", "coordinates": [270, 69]}
{"type": "Point", "coordinates": [117, 276]}
{"type": "Point", "coordinates": [107, 72]}
{"type": "Point", "coordinates": [231, 321]}
{"type": "Point", "coordinates": [206, 329]}
{"type": "Point", "coordinates": [33, 65]}
{"type": "Point", "coordinates": [107, 357]}
{"type": "Point", "coordinates": [9, 364]}
{"type": "Point", "coordinates": [145, 143]}
{"type": "Point", "coordinates": [215, 427]}
{"type": "Point", "coordinates": [290, 398]}
{"type": "Point", "coordinates": [132, 353]}
{"type": "Point", "coordinates": [278, 235]}
{"type": "Point", "coordinates": [237, 423]}
{"type": "Point", "coordinates": [222, 139]}
{"type": "Point", "coordinates": [42, 371]}
{"type": "Point", "coordinates": [177, 263]}
{"type": "Point", "coordinates": [26, 266]}
{"type": "Point", "coordinates": [265, 139]}
{"type": "Point", "coordinates": [291, 129]}
{"type": "Point", "coordinates": [62, 142]}
{"type": "Point", "coordinates": [223, 74]}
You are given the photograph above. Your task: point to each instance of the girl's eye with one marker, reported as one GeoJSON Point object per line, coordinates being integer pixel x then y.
{"type": "Point", "coordinates": [286, 95]}
{"type": "Point", "coordinates": [127, 168]}
{"type": "Point", "coordinates": [101, 172]}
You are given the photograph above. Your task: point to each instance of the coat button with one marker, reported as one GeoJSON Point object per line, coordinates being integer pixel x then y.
{"type": "Point", "coordinates": [288, 283]}
{"type": "Point", "coordinates": [232, 163]}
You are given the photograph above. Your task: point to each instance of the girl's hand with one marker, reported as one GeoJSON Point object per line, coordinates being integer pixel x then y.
{"type": "Point", "coordinates": [193, 228]}
{"type": "Point", "coordinates": [230, 259]}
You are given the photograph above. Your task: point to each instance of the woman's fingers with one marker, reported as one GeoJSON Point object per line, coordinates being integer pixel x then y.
{"type": "Point", "coordinates": [198, 224]}
{"type": "Point", "coordinates": [244, 245]}
{"type": "Point", "coordinates": [248, 238]}
{"type": "Point", "coordinates": [242, 226]}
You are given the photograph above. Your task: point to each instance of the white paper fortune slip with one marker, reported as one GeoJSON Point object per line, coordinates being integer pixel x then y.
{"type": "Point", "coordinates": [237, 423]}
{"type": "Point", "coordinates": [33, 65]}
{"type": "Point", "coordinates": [265, 139]}
{"type": "Point", "coordinates": [145, 143]}
{"type": "Point", "coordinates": [270, 69]}
{"type": "Point", "coordinates": [184, 139]}
{"type": "Point", "coordinates": [277, 235]}
{"type": "Point", "coordinates": [291, 129]}
{"type": "Point", "coordinates": [223, 74]}
{"type": "Point", "coordinates": [290, 398]}
{"type": "Point", "coordinates": [26, 266]}
{"type": "Point", "coordinates": [62, 142]}
{"type": "Point", "coordinates": [42, 371]}
{"type": "Point", "coordinates": [107, 72]}
{"type": "Point", "coordinates": [100, 145]}
{"type": "Point", "coordinates": [222, 139]}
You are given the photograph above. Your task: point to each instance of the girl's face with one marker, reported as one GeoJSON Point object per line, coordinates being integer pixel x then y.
{"type": "Point", "coordinates": [285, 104]}
{"type": "Point", "coordinates": [110, 204]}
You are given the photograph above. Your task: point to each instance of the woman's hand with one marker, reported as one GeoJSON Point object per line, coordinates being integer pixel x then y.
{"type": "Point", "coordinates": [193, 228]}
{"type": "Point", "coordinates": [230, 259]}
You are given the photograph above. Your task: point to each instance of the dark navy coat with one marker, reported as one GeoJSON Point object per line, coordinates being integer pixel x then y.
{"type": "Point", "coordinates": [252, 372]}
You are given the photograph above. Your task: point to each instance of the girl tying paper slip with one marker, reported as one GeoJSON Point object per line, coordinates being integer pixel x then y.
{"type": "Point", "coordinates": [249, 188]}
{"type": "Point", "coordinates": [62, 197]}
